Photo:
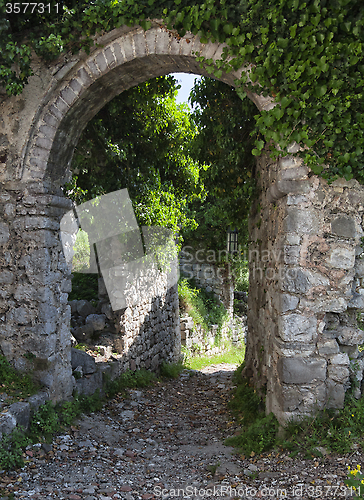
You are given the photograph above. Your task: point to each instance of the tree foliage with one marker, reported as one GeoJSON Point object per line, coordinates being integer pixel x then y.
{"type": "Point", "coordinates": [224, 143]}
{"type": "Point", "coordinates": [140, 141]}
{"type": "Point", "coordinates": [308, 55]}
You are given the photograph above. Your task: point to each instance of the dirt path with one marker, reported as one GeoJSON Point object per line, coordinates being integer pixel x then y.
{"type": "Point", "coordinates": [164, 442]}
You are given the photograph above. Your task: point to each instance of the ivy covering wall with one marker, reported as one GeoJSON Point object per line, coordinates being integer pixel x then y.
{"type": "Point", "coordinates": [307, 55]}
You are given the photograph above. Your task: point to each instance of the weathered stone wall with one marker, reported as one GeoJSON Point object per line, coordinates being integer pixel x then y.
{"type": "Point", "coordinates": [148, 328]}
{"type": "Point", "coordinates": [38, 132]}
{"type": "Point", "coordinates": [211, 277]}
{"type": "Point", "coordinates": [197, 341]}
{"type": "Point", "coordinates": [305, 289]}
{"type": "Point", "coordinates": [143, 335]}
{"type": "Point", "coordinates": [35, 282]}
{"type": "Point", "coordinates": [302, 301]}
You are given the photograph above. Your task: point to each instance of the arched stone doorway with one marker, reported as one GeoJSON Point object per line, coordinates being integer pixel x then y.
{"type": "Point", "coordinates": [305, 261]}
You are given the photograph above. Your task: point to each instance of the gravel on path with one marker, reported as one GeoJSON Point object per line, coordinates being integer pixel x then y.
{"type": "Point", "coordinates": [166, 441]}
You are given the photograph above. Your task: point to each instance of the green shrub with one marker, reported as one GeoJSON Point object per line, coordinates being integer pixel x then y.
{"type": "Point", "coordinates": [337, 431]}
{"type": "Point", "coordinates": [171, 370]}
{"type": "Point", "coordinates": [84, 287]}
{"type": "Point", "coordinates": [81, 256]}
{"type": "Point", "coordinates": [259, 436]}
{"type": "Point", "coordinates": [15, 383]}
{"type": "Point", "coordinates": [202, 306]}
{"type": "Point", "coordinates": [50, 419]}
{"type": "Point", "coordinates": [240, 271]}
{"type": "Point", "coordinates": [45, 421]}
{"type": "Point", "coordinates": [259, 431]}
{"type": "Point", "coordinates": [11, 449]}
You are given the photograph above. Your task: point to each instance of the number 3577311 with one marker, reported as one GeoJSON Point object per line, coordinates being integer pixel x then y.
{"type": "Point", "coordinates": [23, 8]}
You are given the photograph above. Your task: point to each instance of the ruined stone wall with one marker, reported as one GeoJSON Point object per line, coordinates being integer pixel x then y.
{"type": "Point", "coordinates": [211, 277]}
{"type": "Point", "coordinates": [305, 291]}
{"type": "Point", "coordinates": [147, 331]}
{"type": "Point", "coordinates": [197, 341]}
{"type": "Point", "coordinates": [307, 265]}
{"type": "Point", "coordinates": [35, 281]}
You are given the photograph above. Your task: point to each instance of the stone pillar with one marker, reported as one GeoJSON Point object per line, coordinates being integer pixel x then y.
{"type": "Point", "coordinates": [305, 291]}
{"type": "Point", "coordinates": [35, 281]}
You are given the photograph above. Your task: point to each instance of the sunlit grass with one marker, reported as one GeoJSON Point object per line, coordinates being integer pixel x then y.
{"type": "Point", "coordinates": [235, 355]}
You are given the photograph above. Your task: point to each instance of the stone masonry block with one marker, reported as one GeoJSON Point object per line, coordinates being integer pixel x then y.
{"type": "Point", "coordinates": [338, 373]}
{"type": "Point", "coordinates": [342, 257]}
{"type": "Point", "coordinates": [150, 37]}
{"type": "Point", "coordinates": [6, 277]}
{"type": "Point", "coordinates": [56, 112]}
{"type": "Point", "coordinates": [61, 105]}
{"type": "Point", "coordinates": [162, 42]}
{"type": "Point", "coordinates": [174, 46]}
{"type": "Point", "coordinates": [89, 384]}
{"type": "Point", "coordinates": [343, 226]}
{"type": "Point", "coordinates": [197, 46]}
{"type": "Point", "coordinates": [301, 370]}
{"type": "Point", "coordinates": [340, 359]}
{"type": "Point", "coordinates": [296, 327]}
{"type": "Point", "coordinates": [97, 321]}
{"type": "Point", "coordinates": [140, 44]}
{"type": "Point", "coordinates": [359, 268]}
{"type": "Point", "coordinates": [327, 346]}
{"type": "Point", "coordinates": [35, 174]}
{"type": "Point", "coordinates": [110, 58]}
{"type": "Point", "coordinates": [288, 302]}
{"type": "Point", "coordinates": [347, 335]}
{"type": "Point", "coordinates": [335, 394]}
{"type": "Point", "coordinates": [297, 172]}
{"type": "Point", "coordinates": [44, 142]}
{"type": "Point", "coordinates": [357, 301]}
{"type": "Point", "coordinates": [40, 153]}
{"type": "Point", "coordinates": [80, 358]}
{"type": "Point", "coordinates": [92, 66]}
{"type": "Point", "coordinates": [297, 199]}
{"type": "Point", "coordinates": [84, 77]}
{"type": "Point", "coordinates": [286, 186]}
{"type": "Point", "coordinates": [101, 62]}
{"type": "Point", "coordinates": [68, 95]}
{"type": "Point", "coordinates": [208, 50]}
{"type": "Point", "coordinates": [21, 413]}
{"type": "Point", "coordinates": [7, 423]}
{"type": "Point", "coordinates": [75, 86]}
{"type": "Point", "coordinates": [51, 120]}
{"type": "Point", "coordinates": [325, 304]}
{"type": "Point", "coordinates": [119, 55]}
{"type": "Point", "coordinates": [291, 254]}
{"type": "Point", "coordinates": [301, 221]}
{"type": "Point", "coordinates": [48, 131]}
{"type": "Point", "coordinates": [37, 400]}
{"type": "Point", "coordinates": [295, 281]}
{"type": "Point", "coordinates": [289, 162]}
{"type": "Point", "coordinates": [128, 47]}
{"type": "Point", "coordinates": [303, 398]}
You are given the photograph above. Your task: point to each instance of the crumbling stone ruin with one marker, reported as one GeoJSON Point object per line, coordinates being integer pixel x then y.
{"type": "Point", "coordinates": [306, 261]}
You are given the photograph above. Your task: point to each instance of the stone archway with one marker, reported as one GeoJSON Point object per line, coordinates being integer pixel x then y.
{"type": "Point", "coordinates": [305, 253]}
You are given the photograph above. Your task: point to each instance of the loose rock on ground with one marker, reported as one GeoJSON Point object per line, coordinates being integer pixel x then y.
{"type": "Point", "coordinates": [166, 441]}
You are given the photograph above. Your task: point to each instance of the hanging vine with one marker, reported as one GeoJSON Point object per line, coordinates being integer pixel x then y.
{"type": "Point", "coordinates": [307, 55]}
